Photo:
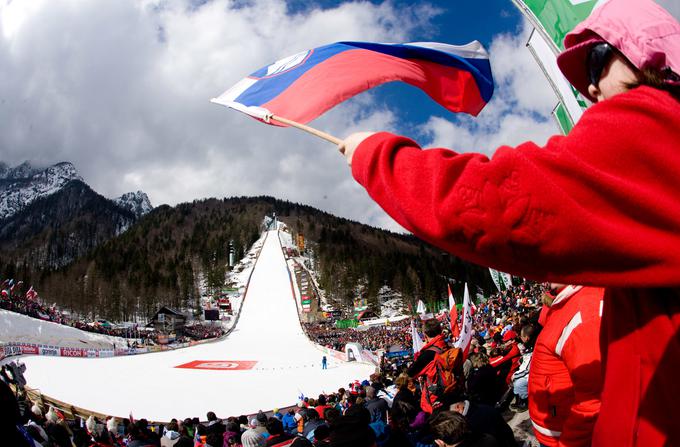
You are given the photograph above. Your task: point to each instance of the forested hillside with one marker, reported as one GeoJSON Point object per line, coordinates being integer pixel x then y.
{"type": "Point", "coordinates": [163, 256]}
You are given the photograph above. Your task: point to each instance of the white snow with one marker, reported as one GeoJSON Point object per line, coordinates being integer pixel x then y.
{"type": "Point", "coordinates": [136, 202]}
{"type": "Point", "coordinates": [150, 385]}
{"type": "Point", "coordinates": [17, 328]}
{"type": "Point", "coordinates": [19, 191]}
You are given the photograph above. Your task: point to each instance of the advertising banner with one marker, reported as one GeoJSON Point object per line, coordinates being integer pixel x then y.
{"type": "Point", "coordinates": [555, 18]}
{"type": "Point", "coordinates": [546, 59]}
{"type": "Point", "coordinates": [49, 350]}
{"type": "Point", "coordinates": [29, 349]}
{"type": "Point", "coordinates": [72, 352]}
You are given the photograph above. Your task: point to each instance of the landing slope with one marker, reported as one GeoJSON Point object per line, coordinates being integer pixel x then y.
{"type": "Point", "coordinates": [151, 386]}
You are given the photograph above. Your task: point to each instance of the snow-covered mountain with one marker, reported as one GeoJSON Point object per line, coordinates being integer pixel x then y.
{"type": "Point", "coordinates": [23, 184]}
{"type": "Point", "coordinates": [136, 202]}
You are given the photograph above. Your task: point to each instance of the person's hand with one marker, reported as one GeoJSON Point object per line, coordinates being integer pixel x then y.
{"type": "Point", "coordinates": [349, 144]}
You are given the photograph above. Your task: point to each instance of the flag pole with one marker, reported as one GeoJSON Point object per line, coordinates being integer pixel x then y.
{"type": "Point", "coordinates": [313, 131]}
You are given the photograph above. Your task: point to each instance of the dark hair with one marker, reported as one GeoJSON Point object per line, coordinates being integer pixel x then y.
{"type": "Point", "coordinates": [655, 78]}
{"type": "Point", "coordinates": [233, 426]}
{"type": "Point", "coordinates": [311, 414]}
{"type": "Point", "coordinates": [274, 426]}
{"type": "Point", "coordinates": [331, 414]}
{"type": "Point", "coordinates": [449, 426]}
{"type": "Point", "coordinates": [531, 332]}
{"type": "Point", "coordinates": [211, 416]}
{"type": "Point", "coordinates": [432, 328]}
{"type": "Point", "coordinates": [322, 432]}
{"type": "Point", "coordinates": [214, 439]}
{"type": "Point", "coordinates": [321, 400]}
{"type": "Point", "coordinates": [172, 426]}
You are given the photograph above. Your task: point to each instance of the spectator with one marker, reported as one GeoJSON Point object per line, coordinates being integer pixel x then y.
{"type": "Point", "coordinates": [483, 418]}
{"type": "Point", "coordinates": [277, 437]}
{"type": "Point", "coordinates": [565, 382]}
{"type": "Point", "coordinates": [582, 210]}
{"type": "Point", "coordinates": [376, 406]}
{"type": "Point", "coordinates": [450, 429]}
{"type": "Point", "coordinates": [520, 379]}
{"type": "Point", "coordinates": [171, 435]}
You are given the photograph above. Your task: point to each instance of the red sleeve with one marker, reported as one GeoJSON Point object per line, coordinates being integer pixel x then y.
{"type": "Point", "coordinates": [596, 207]}
{"type": "Point", "coordinates": [581, 355]}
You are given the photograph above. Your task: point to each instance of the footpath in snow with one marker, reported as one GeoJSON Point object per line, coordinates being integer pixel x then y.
{"type": "Point", "coordinates": [266, 362]}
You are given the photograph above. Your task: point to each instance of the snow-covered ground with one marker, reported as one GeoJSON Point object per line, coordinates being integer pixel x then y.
{"type": "Point", "coordinates": [152, 386]}
{"type": "Point", "coordinates": [17, 328]}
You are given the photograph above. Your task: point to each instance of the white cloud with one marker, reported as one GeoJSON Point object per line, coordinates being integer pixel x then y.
{"type": "Point", "coordinates": [519, 111]}
{"type": "Point", "coordinates": [121, 88]}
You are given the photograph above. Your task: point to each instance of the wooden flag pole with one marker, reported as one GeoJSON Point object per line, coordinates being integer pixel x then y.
{"type": "Point", "coordinates": [313, 131]}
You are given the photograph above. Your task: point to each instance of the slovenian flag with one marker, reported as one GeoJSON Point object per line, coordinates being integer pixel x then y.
{"type": "Point", "coordinates": [304, 86]}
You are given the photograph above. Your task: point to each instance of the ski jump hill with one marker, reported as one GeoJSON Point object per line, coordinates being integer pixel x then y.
{"type": "Point", "coordinates": [266, 362]}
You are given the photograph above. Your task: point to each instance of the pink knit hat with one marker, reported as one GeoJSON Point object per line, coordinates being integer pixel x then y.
{"type": "Point", "coordinates": [641, 30]}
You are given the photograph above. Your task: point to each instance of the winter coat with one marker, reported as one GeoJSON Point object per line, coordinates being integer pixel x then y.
{"type": "Point", "coordinates": [596, 207]}
{"type": "Point", "coordinates": [566, 379]}
{"type": "Point", "coordinates": [169, 439]}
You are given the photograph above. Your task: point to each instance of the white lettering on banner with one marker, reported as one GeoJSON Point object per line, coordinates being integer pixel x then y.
{"type": "Point", "coordinates": [217, 365]}
{"type": "Point", "coordinates": [12, 350]}
{"type": "Point", "coordinates": [105, 353]}
{"type": "Point", "coordinates": [68, 352]}
{"type": "Point", "coordinates": [91, 353]}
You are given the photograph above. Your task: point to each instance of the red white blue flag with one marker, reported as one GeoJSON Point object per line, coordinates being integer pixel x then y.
{"type": "Point", "coordinates": [304, 86]}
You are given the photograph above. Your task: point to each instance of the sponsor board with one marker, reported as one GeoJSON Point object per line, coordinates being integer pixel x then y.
{"type": "Point", "coordinates": [11, 350]}
{"type": "Point", "coordinates": [72, 352]}
{"type": "Point", "coordinates": [30, 349]}
{"type": "Point", "coordinates": [49, 350]}
{"type": "Point", "coordinates": [220, 365]}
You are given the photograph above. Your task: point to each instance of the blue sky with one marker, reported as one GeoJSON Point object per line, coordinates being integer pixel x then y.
{"type": "Point", "coordinates": [92, 83]}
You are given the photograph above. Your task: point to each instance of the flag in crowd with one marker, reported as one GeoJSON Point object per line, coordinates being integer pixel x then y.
{"type": "Point", "coordinates": [453, 315]}
{"type": "Point", "coordinates": [415, 336]}
{"type": "Point", "coordinates": [303, 86]}
{"type": "Point", "coordinates": [421, 309]}
{"type": "Point", "coordinates": [31, 294]}
{"type": "Point", "coordinates": [465, 338]}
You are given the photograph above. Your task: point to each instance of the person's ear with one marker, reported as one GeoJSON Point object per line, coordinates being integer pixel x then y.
{"type": "Point", "coordinates": [594, 92]}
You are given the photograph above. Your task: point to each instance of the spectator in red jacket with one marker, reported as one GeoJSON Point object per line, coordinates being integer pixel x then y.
{"type": "Point", "coordinates": [596, 207]}
{"type": "Point", "coordinates": [565, 382]}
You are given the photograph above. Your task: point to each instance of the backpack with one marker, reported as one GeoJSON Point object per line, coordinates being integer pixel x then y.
{"type": "Point", "coordinates": [442, 377]}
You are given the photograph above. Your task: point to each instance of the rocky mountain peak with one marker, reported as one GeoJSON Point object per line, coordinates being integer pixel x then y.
{"type": "Point", "coordinates": [136, 202]}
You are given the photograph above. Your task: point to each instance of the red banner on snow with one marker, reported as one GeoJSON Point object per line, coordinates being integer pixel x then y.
{"type": "Point", "coordinates": [220, 365]}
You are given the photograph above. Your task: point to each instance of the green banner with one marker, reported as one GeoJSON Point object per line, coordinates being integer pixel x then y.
{"type": "Point", "coordinates": [557, 17]}
{"type": "Point", "coordinates": [562, 118]}
{"type": "Point", "coordinates": [344, 324]}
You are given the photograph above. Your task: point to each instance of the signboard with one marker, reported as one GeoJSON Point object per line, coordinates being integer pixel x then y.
{"type": "Point", "coordinates": [562, 118]}
{"type": "Point", "coordinates": [219, 365]}
{"type": "Point", "coordinates": [546, 59]}
{"type": "Point", "coordinates": [555, 18]}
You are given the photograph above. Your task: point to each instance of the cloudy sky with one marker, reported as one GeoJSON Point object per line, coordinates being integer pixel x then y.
{"type": "Point", "coordinates": [121, 88]}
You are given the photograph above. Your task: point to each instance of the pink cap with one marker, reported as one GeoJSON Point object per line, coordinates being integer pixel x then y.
{"type": "Point", "coordinates": [641, 30]}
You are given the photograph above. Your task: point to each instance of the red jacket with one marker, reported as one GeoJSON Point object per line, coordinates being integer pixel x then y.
{"type": "Point", "coordinates": [597, 207]}
{"type": "Point", "coordinates": [565, 382]}
{"type": "Point", "coordinates": [513, 356]}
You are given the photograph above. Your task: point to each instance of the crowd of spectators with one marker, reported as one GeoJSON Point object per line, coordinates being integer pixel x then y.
{"type": "Point", "coordinates": [373, 338]}
{"type": "Point", "coordinates": [375, 412]}
{"type": "Point", "coordinates": [14, 299]}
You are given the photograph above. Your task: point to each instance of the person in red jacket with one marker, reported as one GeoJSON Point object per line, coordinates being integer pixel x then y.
{"type": "Point", "coordinates": [596, 207]}
{"type": "Point", "coordinates": [508, 363]}
{"type": "Point", "coordinates": [565, 381]}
